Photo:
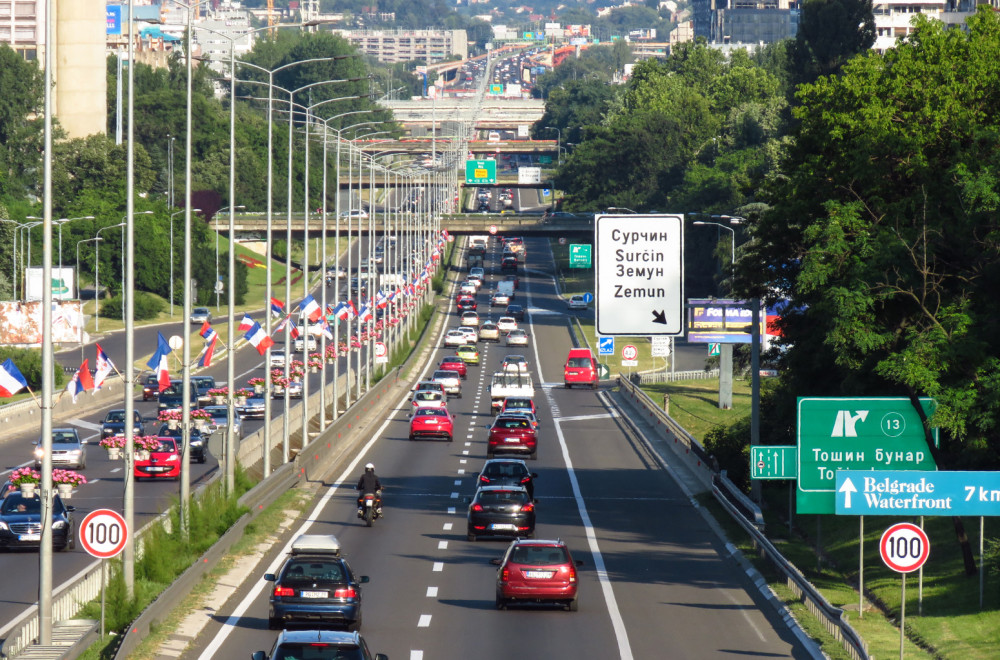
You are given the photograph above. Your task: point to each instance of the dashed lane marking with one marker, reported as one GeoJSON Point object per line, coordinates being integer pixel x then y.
{"type": "Point", "coordinates": [438, 566]}
{"type": "Point", "coordinates": [447, 527]}
{"type": "Point", "coordinates": [425, 621]}
{"type": "Point", "coordinates": [432, 592]}
{"type": "Point", "coordinates": [451, 511]}
{"type": "Point", "coordinates": [442, 545]}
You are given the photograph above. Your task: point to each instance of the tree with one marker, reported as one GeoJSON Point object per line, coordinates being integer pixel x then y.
{"type": "Point", "coordinates": [20, 122]}
{"type": "Point", "coordinates": [830, 33]}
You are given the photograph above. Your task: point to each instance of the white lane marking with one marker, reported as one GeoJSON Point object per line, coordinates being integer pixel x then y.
{"type": "Point", "coordinates": [447, 527]}
{"type": "Point", "coordinates": [746, 614]}
{"type": "Point", "coordinates": [82, 423]}
{"type": "Point", "coordinates": [230, 625]}
{"type": "Point", "coordinates": [454, 496]}
{"type": "Point", "coordinates": [438, 566]}
{"type": "Point", "coordinates": [432, 592]}
{"type": "Point", "coordinates": [468, 444]}
{"type": "Point", "coordinates": [460, 470]}
{"type": "Point", "coordinates": [465, 452]}
{"type": "Point", "coordinates": [425, 621]}
{"type": "Point", "coordinates": [463, 461]}
{"type": "Point", "coordinates": [416, 655]}
{"type": "Point", "coordinates": [118, 469]}
{"type": "Point", "coordinates": [584, 418]}
{"type": "Point", "coordinates": [442, 545]}
{"type": "Point", "coordinates": [32, 463]}
{"type": "Point", "coordinates": [458, 482]}
{"type": "Point", "coordinates": [451, 511]}
{"type": "Point", "coordinates": [94, 481]}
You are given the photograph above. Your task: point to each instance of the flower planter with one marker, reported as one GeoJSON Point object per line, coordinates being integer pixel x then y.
{"type": "Point", "coordinates": [201, 425]}
{"type": "Point", "coordinates": [28, 489]}
{"type": "Point", "coordinates": [241, 401]}
{"type": "Point", "coordinates": [65, 491]}
{"type": "Point", "coordinates": [219, 400]}
{"type": "Point", "coordinates": [331, 360]}
{"type": "Point", "coordinates": [279, 389]}
{"type": "Point", "coordinates": [141, 455]}
{"type": "Point", "coordinates": [259, 389]}
{"type": "Point", "coordinates": [314, 370]}
{"type": "Point", "coordinates": [114, 453]}
{"type": "Point", "coordinates": [173, 424]}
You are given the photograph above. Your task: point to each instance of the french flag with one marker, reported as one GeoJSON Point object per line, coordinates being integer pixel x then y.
{"type": "Point", "coordinates": [294, 330]}
{"type": "Point", "coordinates": [258, 338]}
{"type": "Point", "coordinates": [81, 381]}
{"type": "Point", "coordinates": [158, 362]}
{"type": "Point", "coordinates": [11, 380]}
{"type": "Point", "coordinates": [365, 314]}
{"type": "Point", "coordinates": [277, 307]}
{"type": "Point", "coordinates": [341, 311]}
{"type": "Point", "coordinates": [381, 300]}
{"type": "Point", "coordinates": [246, 323]}
{"type": "Point", "coordinates": [206, 357]}
{"type": "Point", "coordinates": [208, 332]}
{"type": "Point", "coordinates": [310, 309]}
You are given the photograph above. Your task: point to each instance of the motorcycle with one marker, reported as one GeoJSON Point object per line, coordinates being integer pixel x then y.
{"type": "Point", "coordinates": [370, 507]}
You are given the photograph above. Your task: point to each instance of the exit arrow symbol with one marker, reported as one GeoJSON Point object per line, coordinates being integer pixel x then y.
{"type": "Point", "coordinates": [847, 488]}
{"type": "Point", "coordinates": [659, 317]}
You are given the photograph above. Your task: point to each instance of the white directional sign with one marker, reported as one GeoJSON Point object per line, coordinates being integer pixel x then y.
{"type": "Point", "coordinates": [904, 547]}
{"type": "Point", "coordinates": [660, 345]}
{"type": "Point", "coordinates": [103, 533]}
{"type": "Point", "coordinates": [640, 274]}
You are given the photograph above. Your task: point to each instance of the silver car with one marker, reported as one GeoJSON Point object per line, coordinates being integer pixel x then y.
{"type": "Point", "coordinates": [220, 420]}
{"type": "Point", "coordinates": [451, 380]}
{"type": "Point", "coordinates": [517, 338]}
{"type": "Point", "coordinates": [68, 450]}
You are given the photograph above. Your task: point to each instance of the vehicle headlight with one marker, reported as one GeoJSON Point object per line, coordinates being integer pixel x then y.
{"type": "Point", "coordinates": [3, 526]}
{"type": "Point", "coordinates": [174, 458]}
{"type": "Point", "coordinates": [75, 452]}
{"type": "Point", "coordinates": [58, 524]}
{"type": "Point", "coordinates": [39, 453]}
{"type": "Point", "coordinates": [197, 443]}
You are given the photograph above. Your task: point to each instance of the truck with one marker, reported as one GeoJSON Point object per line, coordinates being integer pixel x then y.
{"type": "Point", "coordinates": [506, 287]}
{"type": "Point", "coordinates": [477, 245]}
{"type": "Point", "coordinates": [473, 261]}
{"type": "Point", "coordinates": [509, 383]}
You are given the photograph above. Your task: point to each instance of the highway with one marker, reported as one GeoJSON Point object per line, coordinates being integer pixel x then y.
{"type": "Point", "coordinates": [656, 581]}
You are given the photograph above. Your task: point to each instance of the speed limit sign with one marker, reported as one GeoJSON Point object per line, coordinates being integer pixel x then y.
{"type": "Point", "coordinates": [630, 352]}
{"type": "Point", "coordinates": [904, 547]}
{"type": "Point", "coordinates": [103, 533]}
{"type": "Point", "coordinates": [493, 230]}
{"type": "Point", "coordinates": [379, 349]}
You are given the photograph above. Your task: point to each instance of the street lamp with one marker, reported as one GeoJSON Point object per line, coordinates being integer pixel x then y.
{"type": "Point", "coordinates": [60, 223]}
{"type": "Point", "coordinates": [124, 231]}
{"type": "Point", "coordinates": [558, 142]}
{"type": "Point", "coordinates": [97, 267]}
{"type": "Point", "coordinates": [172, 257]}
{"type": "Point", "coordinates": [733, 220]}
{"type": "Point", "coordinates": [29, 226]}
{"type": "Point", "coordinates": [217, 292]}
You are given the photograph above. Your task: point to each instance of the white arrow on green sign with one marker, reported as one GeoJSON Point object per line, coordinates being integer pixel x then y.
{"type": "Point", "coordinates": [773, 462]}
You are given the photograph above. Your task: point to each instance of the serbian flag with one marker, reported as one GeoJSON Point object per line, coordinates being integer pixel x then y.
{"type": "Point", "coordinates": [365, 314]}
{"type": "Point", "coordinates": [104, 367]}
{"type": "Point", "coordinates": [294, 330]}
{"type": "Point", "coordinates": [341, 311]}
{"type": "Point", "coordinates": [80, 382]}
{"type": "Point", "coordinates": [158, 362]}
{"type": "Point", "coordinates": [327, 330]}
{"type": "Point", "coordinates": [381, 300]}
{"type": "Point", "coordinates": [310, 309]}
{"type": "Point", "coordinates": [207, 332]}
{"type": "Point", "coordinates": [392, 295]}
{"type": "Point", "coordinates": [277, 307]}
{"type": "Point", "coordinates": [259, 339]}
{"type": "Point", "coordinates": [206, 356]}
{"type": "Point", "coordinates": [246, 323]}
{"type": "Point", "coordinates": [352, 311]}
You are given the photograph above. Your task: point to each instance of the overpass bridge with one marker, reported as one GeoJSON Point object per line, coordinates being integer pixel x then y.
{"type": "Point", "coordinates": [496, 111]}
{"type": "Point", "coordinates": [423, 146]}
{"type": "Point", "coordinates": [253, 226]}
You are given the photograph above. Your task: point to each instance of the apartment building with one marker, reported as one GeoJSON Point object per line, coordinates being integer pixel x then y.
{"type": "Point", "coordinates": [391, 46]}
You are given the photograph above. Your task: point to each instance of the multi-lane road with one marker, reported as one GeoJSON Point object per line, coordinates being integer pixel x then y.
{"type": "Point", "coordinates": [656, 581]}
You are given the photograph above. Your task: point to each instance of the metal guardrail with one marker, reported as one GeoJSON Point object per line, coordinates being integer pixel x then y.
{"type": "Point", "coordinates": [658, 376]}
{"type": "Point", "coordinates": [747, 514]}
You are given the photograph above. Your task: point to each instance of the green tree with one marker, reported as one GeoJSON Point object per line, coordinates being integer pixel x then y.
{"type": "Point", "coordinates": [20, 122]}
{"type": "Point", "coordinates": [830, 33]}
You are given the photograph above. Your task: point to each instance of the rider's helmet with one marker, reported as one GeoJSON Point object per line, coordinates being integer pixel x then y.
{"type": "Point", "coordinates": [370, 468]}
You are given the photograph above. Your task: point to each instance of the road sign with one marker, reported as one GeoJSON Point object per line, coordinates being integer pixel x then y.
{"type": "Point", "coordinates": [640, 268]}
{"type": "Point", "coordinates": [904, 547]}
{"type": "Point", "coordinates": [908, 493]}
{"type": "Point", "coordinates": [579, 255]}
{"type": "Point", "coordinates": [660, 345]}
{"type": "Point", "coordinates": [714, 350]}
{"type": "Point", "coordinates": [103, 533]}
{"type": "Point", "coordinates": [480, 172]}
{"type": "Point", "coordinates": [496, 89]}
{"type": "Point", "coordinates": [175, 342]}
{"type": "Point", "coordinates": [562, 241]}
{"type": "Point", "coordinates": [605, 345]}
{"type": "Point", "coordinates": [629, 352]}
{"type": "Point", "coordinates": [493, 230]}
{"type": "Point", "coordinates": [855, 433]}
{"type": "Point", "coordinates": [220, 286]}
{"type": "Point", "coordinates": [603, 371]}
{"type": "Point", "coordinates": [772, 462]}
{"type": "Point", "coordinates": [588, 298]}
{"type": "Point", "coordinates": [380, 349]}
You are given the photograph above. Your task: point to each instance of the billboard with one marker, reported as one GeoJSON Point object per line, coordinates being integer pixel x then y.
{"type": "Point", "coordinates": [529, 175]}
{"type": "Point", "coordinates": [114, 18]}
{"type": "Point", "coordinates": [63, 284]}
{"type": "Point", "coordinates": [720, 321]}
{"type": "Point", "coordinates": [21, 323]}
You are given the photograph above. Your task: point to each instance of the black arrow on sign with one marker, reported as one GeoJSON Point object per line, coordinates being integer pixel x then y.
{"type": "Point", "coordinates": [659, 317]}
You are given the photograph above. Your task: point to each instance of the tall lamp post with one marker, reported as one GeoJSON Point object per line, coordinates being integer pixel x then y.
{"type": "Point", "coordinates": [97, 273]}
{"type": "Point", "coordinates": [224, 209]}
{"type": "Point", "coordinates": [126, 229]}
{"type": "Point", "coordinates": [95, 240]}
{"type": "Point", "coordinates": [558, 142]}
{"type": "Point", "coordinates": [60, 222]}
{"type": "Point", "coordinates": [172, 256]}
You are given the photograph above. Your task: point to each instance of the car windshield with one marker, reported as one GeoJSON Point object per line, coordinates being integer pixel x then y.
{"type": "Point", "coordinates": [16, 504]}
{"type": "Point", "coordinates": [312, 569]}
{"type": "Point", "coordinates": [445, 374]}
{"type": "Point", "coordinates": [518, 333]}
{"type": "Point", "coordinates": [427, 395]}
{"type": "Point", "coordinates": [505, 471]}
{"type": "Point", "coordinates": [579, 362]}
{"type": "Point", "coordinates": [512, 423]}
{"type": "Point", "coordinates": [432, 412]}
{"type": "Point", "coordinates": [316, 651]}
{"type": "Point", "coordinates": [522, 404]}
{"type": "Point", "coordinates": [539, 555]}
{"type": "Point", "coordinates": [115, 416]}
{"type": "Point", "coordinates": [64, 437]}
{"type": "Point", "coordinates": [167, 446]}
{"type": "Point", "coordinates": [502, 496]}
{"type": "Point", "coordinates": [218, 412]}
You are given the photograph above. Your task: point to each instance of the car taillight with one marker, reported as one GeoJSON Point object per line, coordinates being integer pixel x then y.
{"type": "Point", "coordinates": [283, 591]}
{"type": "Point", "coordinates": [347, 592]}
{"type": "Point", "coordinates": [572, 574]}
{"type": "Point", "coordinates": [484, 479]}
{"type": "Point", "coordinates": [504, 575]}
{"type": "Point", "coordinates": [477, 507]}
{"type": "Point", "coordinates": [525, 480]}
{"type": "Point", "coordinates": [527, 508]}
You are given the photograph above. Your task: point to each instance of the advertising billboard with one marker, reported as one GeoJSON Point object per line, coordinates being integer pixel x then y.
{"type": "Point", "coordinates": [114, 17]}
{"type": "Point", "coordinates": [720, 321]}
{"type": "Point", "coordinates": [63, 284]}
{"type": "Point", "coordinates": [21, 323]}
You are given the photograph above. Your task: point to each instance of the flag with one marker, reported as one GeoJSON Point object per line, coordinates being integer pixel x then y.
{"type": "Point", "coordinates": [327, 330]}
{"type": "Point", "coordinates": [258, 338]}
{"type": "Point", "coordinates": [158, 362]}
{"type": "Point", "coordinates": [310, 309]}
{"type": "Point", "coordinates": [277, 307]}
{"type": "Point", "coordinates": [246, 323]}
{"type": "Point", "coordinates": [392, 295]}
{"type": "Point", "coordinates": [341, 311]}
{"type": "Point", "coordinates": [365, 314]}
{"type": "Point", "coordinates": [104, 367]}
{"type": "Point", "coordinates": [206, 356]}
{"type": "Point", "coordinates": [281, 326]}
{"type": "Point", "coordinates": [81, 381]}
{"type": "Point", "coordinates": [207, 332]}
{"type": "Point", "coordinates": [352, 311]}
{"type": "Point", "coordinates": [381, 300]}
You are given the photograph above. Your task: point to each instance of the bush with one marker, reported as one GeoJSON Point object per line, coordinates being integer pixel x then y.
{"type": "Point", "coordinates": [146, 306]}
{"type": "Point", "coordinates": [731, 447]}
{"type": "Point", "coordinates": [29, 363]}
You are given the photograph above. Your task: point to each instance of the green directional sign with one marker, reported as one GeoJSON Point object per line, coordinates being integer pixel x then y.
{"type": "Point", "coordinates": [579, 256]}
{"type": "Point", "coordinates": [855, 433]}
{"type": "Point", "coordinates": [480, 172]}
{"type": "Point", "coordinates": [773, 462]}
{"type": "Point", "coordinates": [714, 350]}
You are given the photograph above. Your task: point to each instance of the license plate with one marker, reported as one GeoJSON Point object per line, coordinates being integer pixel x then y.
{"type": "Point", "coordinates": [431, 421]}
{"type": "Point", "coordinates": [512, 440]}
{"type": "Point", "coordinates": [314, 594]}
{"type": "Point", "coordinates": [157, 469]}
{"type": "Point", "coordinates": [503, 526]}
{"type": "Point", "coordinates": [538, 575]}
{"type": "Point", "coordinates": [29, 537]}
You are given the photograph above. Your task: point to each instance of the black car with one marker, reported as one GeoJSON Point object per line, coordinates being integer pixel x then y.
{"type": "Point", "coordinates": [172, 398]}
{"type": "Point", "coordinates": [318, 645]}
{"type": "Point", "coordinates": [203, 384]}
{"type": "Point", "coordinates": [198, 441]}
{"type": "Point", "coordinates": [507, 472]}
{"type": "Point", "coordinates": [21, 522]}
{"type": "Point", "coordinates": [114, 423]}
{"type": "Point", "coordinates": [315, 587]}
{"type": "Point", "coordinates": [506, 511]}
{"type": "Point", "coordinates": [508, 264]}
{"type": "Point", "coordinates": [150, 387]}
{"type": "Point", "coordinates": [517, 311]}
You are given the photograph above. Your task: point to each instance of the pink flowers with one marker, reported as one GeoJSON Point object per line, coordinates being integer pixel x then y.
{"type": "Point", "coordinates": [166, 416]}
{"type": "Point", "coordinates": [118, 441]}
{"type": "Point", "coordinates": [254, 382]}
{"type": "Point", "coordinates": [70, 477]}
{"type": "Point", "coordinates": [146, 443]}
{"type": "Point", "coordinates": [25, 475]}
{"type": "Point", "coordinates": [245, 393]}
{"type": "Point", "coordinates": [201, 415]}
{"type": "Point", "coordinates": [218, 391]}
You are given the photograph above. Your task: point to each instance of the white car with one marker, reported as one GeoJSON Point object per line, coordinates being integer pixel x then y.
{"type": "Point", "coordinates": [517, 338]}
{"type": "Point", "coordinates": [468, 287]}
{"type": "Point", "coordinates": [576, 302]}
{"type": "Point", "coordinates": [452, 338]}
{"type": "Point", "coordinates": [499, 300]}
{"type": "Point", "coordinates": [428, 399]}
{"type": "Point", "coordinates": [450, 379]}
{"type": "Point", "coordinates": [470, 319]}
{"type": "Point", "coordinates": [471, 334]}
{"type": "Point", "coordinates": [507, 323]}
{"type": "Point", "coordinates": [278, 357]}
{"type": "Point", "coordinates": [477, 275]}
{"type": "Point", "coordinates": [302, 340]}
{"type": "Point", "coordinates": [515, 363]}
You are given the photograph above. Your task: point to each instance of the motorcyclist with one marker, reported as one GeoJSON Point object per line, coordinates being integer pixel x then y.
{"type": "Point", "coordinates": [369, 483]}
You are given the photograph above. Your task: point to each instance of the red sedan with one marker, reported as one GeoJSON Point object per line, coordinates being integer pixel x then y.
{"type": "Point", "coordinates": [465, 303]}
{"type": "Point", "coordinates": [454, 363]}
{"type": "Point", "coordinates": [535, 572]}
{"type": "Point", "coordinates": [164, 462]}
{"type": "Point", "coordinates": [511, 434]}
{"type": "Point", "coordinates": [432, 423]}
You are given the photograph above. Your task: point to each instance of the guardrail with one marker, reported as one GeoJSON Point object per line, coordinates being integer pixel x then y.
{"type": "Point", "coordinates": [748, 515]}
{"type": "Point", "coordinates": [658, 376]}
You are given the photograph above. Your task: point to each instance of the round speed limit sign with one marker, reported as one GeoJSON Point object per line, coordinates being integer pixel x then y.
{"type": "Point", "coordinates": [904, 547]}
{"type": "Point", "coordinates": [630, 352]}
{"type": "Point", "coordinates": [380, 349]}
{"type": "Point", "coordinates": [103, 533]}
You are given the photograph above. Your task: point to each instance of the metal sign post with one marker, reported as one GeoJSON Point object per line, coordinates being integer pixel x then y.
{"type": "Point", "coordinates": [103, 534]}
{"type": "Point", "coordinates": [904, 548]}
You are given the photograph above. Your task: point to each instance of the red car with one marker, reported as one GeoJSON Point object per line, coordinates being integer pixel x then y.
{"type": "Point", "coordinates": [511, 434]}
{"type": "Point", "coordinates": [431, 423]}
{"type": "Point", "coordinates": [466, 303]}
{"type": "Point", "coordinates": [164, 462]}
{"type": "Point", "coordinates": [537, 571]}
{"type": "Point", "coordinates": [454, 363]}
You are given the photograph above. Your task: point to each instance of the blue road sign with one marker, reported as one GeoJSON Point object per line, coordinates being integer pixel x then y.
{"type": "Point", "coordinates": [914, 493]}
{"type": "Point", "coordinates": [588, 298]}
{"type": "Point", "coordinates": [605, 345]}
{"type": "Point", "coordinates": [546, 192]}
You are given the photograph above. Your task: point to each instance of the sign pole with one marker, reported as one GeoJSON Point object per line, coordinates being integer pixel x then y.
{"type": "Point", "coordinates": [861, 567]}
{"type": "Point", "coordinates": [982, 529]}
{"type": "Point", "coordinates": [104, 583]}
{"type": "Point", "coordinates": [791, 503]}
{"type": "Point", "coordinates": [902, 617]}
{"type": "Point", "coordinates": [920, 582]}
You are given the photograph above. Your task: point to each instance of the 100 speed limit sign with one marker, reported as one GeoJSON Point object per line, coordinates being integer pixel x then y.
{"type": "Point", "coordinates": [904, 547]}
{"type": "Point", "coordinates": [103, 533]}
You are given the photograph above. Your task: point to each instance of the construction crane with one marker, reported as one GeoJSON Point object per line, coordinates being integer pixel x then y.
{"type": "Point", "coordinates": [270, 18]}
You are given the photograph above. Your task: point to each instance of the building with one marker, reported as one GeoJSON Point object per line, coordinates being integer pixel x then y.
{"type": "Point", "coordinates": [406, 45]}
{"type": "Point", "coordinates": [226, 28]}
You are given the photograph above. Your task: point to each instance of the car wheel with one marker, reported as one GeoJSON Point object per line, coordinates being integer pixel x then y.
{"type": "Point", "coordinates": [470, 537]}
{"type": "Point", "coordinates": [412, 438]}
{"type": "Point", "coordinates": [572, 606]}
{"type": "Point", "coordinates": [273, 624]}
{"type": "Point", "coordinates": [569, 386]}
{"type": "Point", "coordinates": [501, 602]}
